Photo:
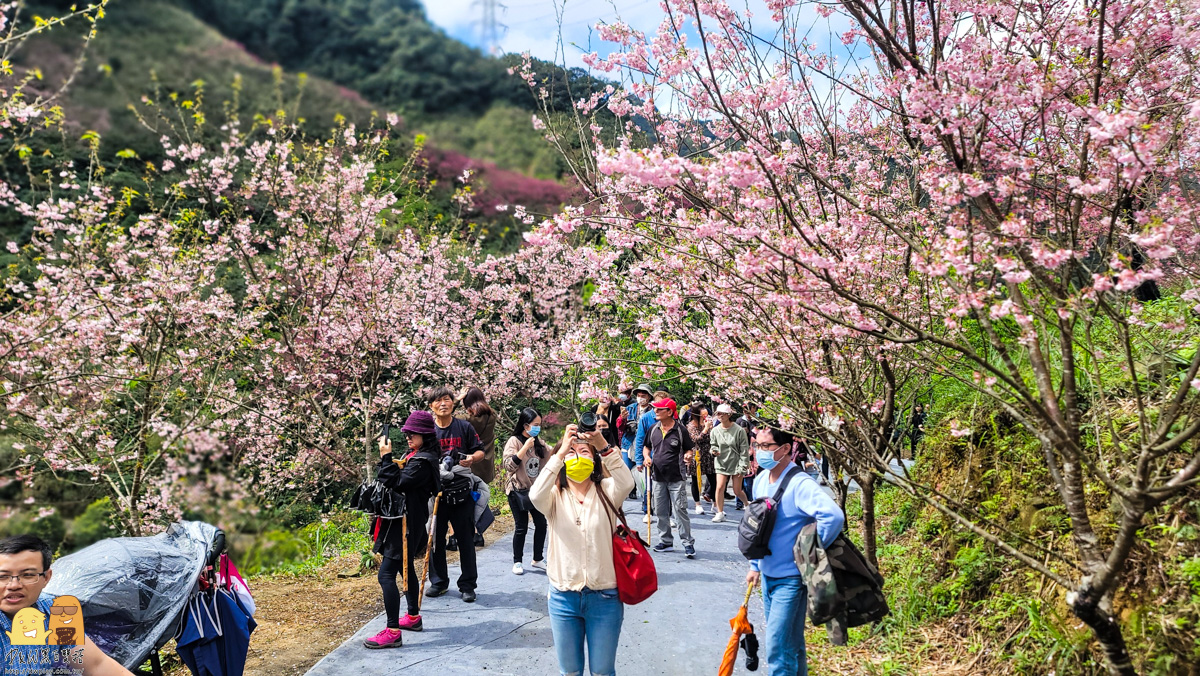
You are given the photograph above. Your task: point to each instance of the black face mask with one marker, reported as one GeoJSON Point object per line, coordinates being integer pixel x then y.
{"type": "Point", "coordinates": [610, 435]}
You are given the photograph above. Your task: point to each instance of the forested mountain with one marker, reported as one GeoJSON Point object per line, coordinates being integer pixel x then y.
{"type": "Point", "coordinates": [385, 49]}
{"type": "Point", "coordinates": [384, 52]}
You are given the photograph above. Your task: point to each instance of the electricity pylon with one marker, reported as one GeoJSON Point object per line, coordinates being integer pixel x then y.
{"type": "Point", "coordinates": [490, 28]}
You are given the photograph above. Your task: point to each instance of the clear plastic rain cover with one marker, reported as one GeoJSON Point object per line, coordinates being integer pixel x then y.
{"type": "Point", "coordinates": [133, 589]}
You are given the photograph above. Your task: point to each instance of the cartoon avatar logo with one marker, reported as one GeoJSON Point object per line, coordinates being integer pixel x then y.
{"type": "Point", "coordinates": [66, 621]}
{"type": "Point", "coordinates": [28, 627]}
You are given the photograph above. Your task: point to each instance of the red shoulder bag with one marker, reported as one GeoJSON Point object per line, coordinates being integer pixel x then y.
{"type": "Point", "coordinates": [637, 578]}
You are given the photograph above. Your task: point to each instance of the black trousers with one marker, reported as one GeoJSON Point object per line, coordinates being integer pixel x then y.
{"type": "Point", "coordinates": [521, 519]}
{"type": "Point", "coordinates": [462, 517]}
{"type": "Point", "coordinates": [710, 485]}
{"type": "Point", "coordinates": [389, 570]}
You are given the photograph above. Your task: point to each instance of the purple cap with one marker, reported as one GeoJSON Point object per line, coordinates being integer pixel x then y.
{"type": "Point", "coordinates": [419, 422]}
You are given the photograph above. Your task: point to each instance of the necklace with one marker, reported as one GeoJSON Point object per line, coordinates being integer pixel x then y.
{"type": "Point", "coordinates": [578, 514]}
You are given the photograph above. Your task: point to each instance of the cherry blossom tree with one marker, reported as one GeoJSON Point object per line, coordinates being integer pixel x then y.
{"type": "Point", "coordinates": [997, 192]}
{"type": "Point", "coordinates": [121, 346]}
{"type": "Point", "coordinates": [237, 329]}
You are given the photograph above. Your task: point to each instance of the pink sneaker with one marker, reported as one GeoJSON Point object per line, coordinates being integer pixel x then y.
{"type": "Point", "coordinates": [388, 638]}
{"type": "Point", "coordinates": [411, 623]}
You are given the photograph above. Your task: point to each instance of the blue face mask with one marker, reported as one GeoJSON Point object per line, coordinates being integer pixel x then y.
{"type": "Point", "coordinates": [535, 430]}
{"type": "Point", "coordinates": [766, 459]}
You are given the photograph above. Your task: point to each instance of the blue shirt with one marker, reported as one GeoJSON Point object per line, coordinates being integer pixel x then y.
{"type": "Point", "coordinates": [645, 424]}
{"type": "Point", "coordinates": [802, 503]}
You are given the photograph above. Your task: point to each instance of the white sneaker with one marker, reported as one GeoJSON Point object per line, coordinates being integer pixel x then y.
{"type": "Point", "coordinates": [518, 569]}
{"type": "Point", "coordinates": [719, 518]}
{"type": "Point", "coordinates": [673, 523]}
{"type": "Point", "coordinates": [541, 565]}
{"type": "Point", "coordinates": [699, 510]}
{"type": "Point", "coordinates": [647, 519]}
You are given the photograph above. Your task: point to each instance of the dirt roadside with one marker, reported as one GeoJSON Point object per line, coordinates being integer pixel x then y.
{"type": "Point", "coordinates": [302, 619]}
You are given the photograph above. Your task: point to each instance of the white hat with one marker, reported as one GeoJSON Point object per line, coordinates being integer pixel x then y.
{"type": "Point", "coordinates": [725, 408]}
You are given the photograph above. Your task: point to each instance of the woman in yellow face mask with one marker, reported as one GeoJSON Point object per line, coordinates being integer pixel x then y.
{"type": "Point", "coordinates": [583, 603]}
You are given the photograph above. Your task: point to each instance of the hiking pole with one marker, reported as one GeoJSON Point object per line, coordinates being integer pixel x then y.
{"type": "Point", "coordinates": [649, 503]}
{"type": "Point", "coordinates": [432, 540]}
{"type": "Point", "coordinates": [404, 567]}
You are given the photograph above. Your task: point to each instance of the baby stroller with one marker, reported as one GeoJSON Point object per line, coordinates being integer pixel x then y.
{"type": "Point", "coordinates": [135, 592]}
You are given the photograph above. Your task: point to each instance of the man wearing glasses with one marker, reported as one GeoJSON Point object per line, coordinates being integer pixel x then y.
{"type": "Point", "coordinates": [24, 573]}
{"type": "Point", "coordinates": [785, 595]}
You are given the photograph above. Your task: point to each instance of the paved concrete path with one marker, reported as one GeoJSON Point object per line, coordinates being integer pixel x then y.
{"type": "Point", "coordinates": [682, 629]}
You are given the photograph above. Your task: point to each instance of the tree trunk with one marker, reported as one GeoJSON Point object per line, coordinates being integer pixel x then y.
{"type": "Point", "coordinates": [368, 431]}
{"type": "Point", "coordinates": [1087, 607]}
{"type": "Point", "coordinates": [840, 492]}
{"type": "Point", "coordinates": [866, 484]}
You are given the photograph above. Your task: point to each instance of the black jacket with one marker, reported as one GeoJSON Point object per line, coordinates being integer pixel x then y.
{"type": "Point", "coordinates": [418, 481]}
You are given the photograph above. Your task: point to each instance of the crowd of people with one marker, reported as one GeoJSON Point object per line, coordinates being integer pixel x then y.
{"type": "Point", "coordinates": [636, 446]}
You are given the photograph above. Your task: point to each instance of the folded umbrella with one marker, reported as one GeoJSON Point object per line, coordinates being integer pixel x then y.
{"type": "Point", "coordinates": [740, 624]}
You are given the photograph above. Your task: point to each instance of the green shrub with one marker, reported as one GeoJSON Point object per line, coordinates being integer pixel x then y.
{"type": "Point", "coordinates": [974, 570]}
{"type": "Point", "coordinates": [906, 517]}
{"type": "Point", "coordinates": [297, 515]}
{"type": "Point", "coordinates": [272, 550]}
{"type": "Point", "coordinates": [94, 525]}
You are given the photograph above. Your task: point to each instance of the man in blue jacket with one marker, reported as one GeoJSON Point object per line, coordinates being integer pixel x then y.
{"type": "Point", "coordinates": [785, 596]}
{"type": "Point", "coordinates": [646, 422]}
{"type": "Point", "coordinates": [639, 405]}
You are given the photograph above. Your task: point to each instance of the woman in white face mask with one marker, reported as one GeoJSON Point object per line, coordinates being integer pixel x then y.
{"type": "Point", "coordinates": [583, 602]}
{"type": "Point", "coordinates": [524, 456]}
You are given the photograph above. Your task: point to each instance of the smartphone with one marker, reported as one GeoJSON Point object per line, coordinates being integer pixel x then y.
{"type": "Point", "coordinates": [385, 432]}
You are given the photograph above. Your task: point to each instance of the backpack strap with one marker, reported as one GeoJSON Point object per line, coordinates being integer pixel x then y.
{"type": "Point", "coordinates": [787, 478]}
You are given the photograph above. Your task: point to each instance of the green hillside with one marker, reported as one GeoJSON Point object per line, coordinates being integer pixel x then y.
{"type": "Point", "coordinates": [154, 49]}
{"type": "Point", "coordinates": [312, 58]}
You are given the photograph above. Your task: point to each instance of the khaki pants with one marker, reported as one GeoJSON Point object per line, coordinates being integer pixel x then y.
{"type": "Point", "coordinates": [670, 499]}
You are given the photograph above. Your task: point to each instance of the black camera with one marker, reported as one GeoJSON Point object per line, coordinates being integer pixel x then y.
{"type": "Point", "coordinates": [587, 422]}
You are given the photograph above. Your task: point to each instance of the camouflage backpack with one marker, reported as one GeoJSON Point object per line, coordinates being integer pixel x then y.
{"type": "Point", "coordinates": [840, 580]}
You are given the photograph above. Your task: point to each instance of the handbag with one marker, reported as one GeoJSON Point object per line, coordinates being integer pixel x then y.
{"type": "Point", "coordinates": [637, 578]}
{"type": "Point", "coordinates": [376, 499]}
{"type": "Point", "coordinates": [520, 496]}
{"type": "Point", "coordinates": [363, 497]}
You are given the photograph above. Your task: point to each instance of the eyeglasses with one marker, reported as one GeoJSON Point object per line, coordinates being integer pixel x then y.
{"type": "Point", "coordinates": [22, 578]}
{"type": "Point", "coordinates": [767, 447]}
{"type": "Point", "coordinates": [64, 610]}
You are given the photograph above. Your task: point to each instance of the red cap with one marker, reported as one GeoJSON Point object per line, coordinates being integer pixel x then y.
{"type": "Point", "coordinates": [667, 403]}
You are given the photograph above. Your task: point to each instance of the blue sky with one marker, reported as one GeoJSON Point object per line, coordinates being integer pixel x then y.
{"type": "Point", "coordinates": [533, 24]}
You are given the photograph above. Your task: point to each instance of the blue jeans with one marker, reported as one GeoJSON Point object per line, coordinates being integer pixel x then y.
{"type": "Point", "coordinates": [785, 601]}
{"type": "Point", "coordinates": [594, 616]}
